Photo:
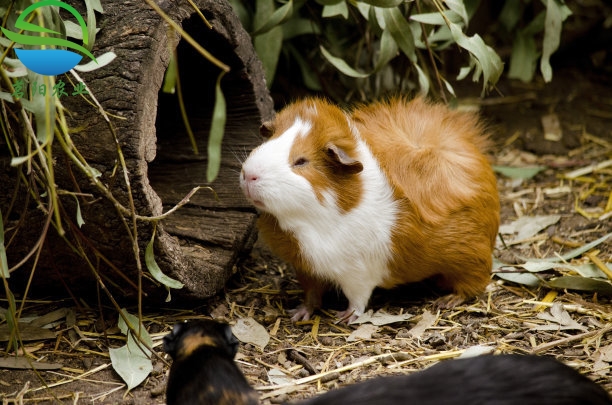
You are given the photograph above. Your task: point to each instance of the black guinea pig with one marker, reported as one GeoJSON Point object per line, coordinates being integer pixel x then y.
{"type": "Point", "coordinates": [508, 379]}
{"type": "Point", "coordinates": [203, 371]}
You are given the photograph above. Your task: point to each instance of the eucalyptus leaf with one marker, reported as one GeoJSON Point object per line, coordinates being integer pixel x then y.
{"type": "Point", "coordinates": [132, 361]}
{"type": "Point", "coordinates": [264, 22]}
{"type": "Point", "coordinates": [341, 65]}
{"type": "Point", "coordinates": [388, 50]}
{"type": "Point", "coordinates": [382, 3]}
{"type": "Point", "coordinates": [217, 129]}
{"type": "Point", "coordinates": [400, 30]}
{"type": "Point", "coordinates": [556, 13]}
{"type": "Point", "coordinates": [17, 68]}
{"type": "Point", "coordinates": [4, 269]}
{"type": "Point", "coordinates": [458, 7]}
{"type": "Point", "coordinates": [581, 284]}
{"type": "Point", "coordinates": [524, 58]}
{"type": "Point", "coordinates": [527, 279]}
{"type": "Point", "coordinates": [424, 82]}
{"type": "Point", "coordinates": [334, 10]}
{"type": "Point", "coordinates": [572, 253]}
{"type": "Point", "coordinates": [79, 217]}
{"type": "Point", "coordinates": [102, 61]}
{"type": "Point", "coordinates": [525, 172]}
{"type": "Point", "coordinates": [438, 18]}
{"type": "Point", "coordinates": [267, 45]}
{"type": "Point", "coordinates": [484, 57]}
{"type": "Point", "coordinates": [154, 269]}
{"type": "Point", "coordinates": [170, 76]}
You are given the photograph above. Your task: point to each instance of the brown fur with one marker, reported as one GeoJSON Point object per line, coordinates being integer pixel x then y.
{"type": "Point", "coordinates": [434, 159]}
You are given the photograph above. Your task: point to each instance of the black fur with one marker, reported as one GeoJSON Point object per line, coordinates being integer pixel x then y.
{"type": "Point", "coordinates": [484, 380]}
{"type": "Point", "coordinates": [203, 371]}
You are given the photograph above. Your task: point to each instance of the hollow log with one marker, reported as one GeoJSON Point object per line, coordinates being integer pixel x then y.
{"type": "Point", "coordinates": [199, 243]}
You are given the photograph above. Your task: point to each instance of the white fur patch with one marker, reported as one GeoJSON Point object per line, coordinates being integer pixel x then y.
{"type": "Point", "coordinates": [351, 249]}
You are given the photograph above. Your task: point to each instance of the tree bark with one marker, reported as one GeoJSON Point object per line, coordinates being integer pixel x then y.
{"type": "Point", "coordinates": [200, 243]}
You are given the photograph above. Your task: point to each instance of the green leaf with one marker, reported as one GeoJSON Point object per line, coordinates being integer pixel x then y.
{"type": "Point", "coordinates": [581, 284]}
{"type": "Point", "coordinates": [510, 14]}
{"type": "Point", "coordinates": [329, 2]}
{"type": "Point", "coordinates": [170, 77]}
{"type": "Point", "coordinates": [102, 60]}
{"type": "Point", "coordinates": [43, 107]}
{"type": "Point", "coordinates": [335, 9]}
{"type": "Point", "coordinates": [341, 65]}
{"type": "Point", "coordinates": [527, 279]}
{"type": "Point", "coordinates": [79, 217]}
{"type": "Point", "coordinates": [17, 68]}
{"type": "Point", "coordinates": [526, 172]}
{"type": "Point", "coordinates": [400, 30]}
{"type": "Point", "coordinates": [424, 82]}
{"type": "Point", "coordinates": [555, 14]}
{"type": "Point", "coordinates": [437, 18]}
{"type": "Point", "coordinates": [571, 254]}
{"type": "Point", "coordinates": [382, 3]}
{"type": "Point", "coordinates": [264, 22]}
{"type": "Point", "coordinates": [524, 57]}
{"type": "Point", "coordinates": [132, 361]}
{"type": "Point", "coordinates": [299, 26]}
{"type": "Point", "coordinates": [154, 269]}
{"type": "Point", "coordinates": [268, 45]}
{"type": "Point", "coordinates": [483, 57]}
{"type": "Point", "coordinates": [217, 128]}
{"type": "Point", "coordinates": [458, 7]}
{"type": "Point", "coordinates": [388, 50]}
{"type": "Point", "coordinates": [4, 269]}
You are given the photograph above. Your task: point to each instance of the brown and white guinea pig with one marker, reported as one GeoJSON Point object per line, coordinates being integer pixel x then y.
{"type": "Point", "coordinates": [387, 194]}
{"type": "Point", "coordinates": [509, 379]}
{"type": "Point", "coordinates": [203, 371]}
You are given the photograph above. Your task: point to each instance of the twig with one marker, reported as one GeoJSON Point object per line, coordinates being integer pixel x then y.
{"type": "Point", "coordinates": [545, 346]}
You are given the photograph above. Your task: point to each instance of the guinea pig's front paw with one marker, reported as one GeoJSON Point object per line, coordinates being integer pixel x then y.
{"type": "Point", "coordinates": [449, 301]}
{"type": "Point", "coordinates": [301, 313]}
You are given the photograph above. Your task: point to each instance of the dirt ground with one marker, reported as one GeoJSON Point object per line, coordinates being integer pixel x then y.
{"type": "Point", "coordinates": [508, 318]}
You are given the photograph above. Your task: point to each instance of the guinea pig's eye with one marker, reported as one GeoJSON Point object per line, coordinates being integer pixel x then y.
{"type": "Point", "coordinates": [300, 162]}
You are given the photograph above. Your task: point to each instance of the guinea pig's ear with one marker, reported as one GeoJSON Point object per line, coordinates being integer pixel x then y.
{"type": "Point", "coordinates": [267, 129]}
{"type": "Point", "coordinates": [348, 164]}
{"type": "Point", "coordinates": [230, 340]}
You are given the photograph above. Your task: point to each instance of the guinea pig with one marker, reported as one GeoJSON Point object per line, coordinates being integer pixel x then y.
{"type": "Point", "coordinates": [387, 194]}
{"type": "Point", "coordinates": [203, 371]}
{"type": "Point", "coordinates": [510, 379]}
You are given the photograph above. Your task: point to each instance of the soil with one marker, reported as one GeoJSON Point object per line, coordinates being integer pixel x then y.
{"type": "Point", "coordinates": [508, 318]}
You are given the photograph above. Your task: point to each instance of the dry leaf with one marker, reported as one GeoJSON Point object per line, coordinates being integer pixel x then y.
{"type": "Point", "coordinates": [528, 226]}
{"type": "Point", "coordinates": [381, 318]}
{"type": "Point", "coordinates": [362, 332]}
{"type": "Point", "coordinates": [560, 317]}
{"type": "Point", "coordinates": [427, 321]}
{"type": "Point", "coordinates": [247, 330]}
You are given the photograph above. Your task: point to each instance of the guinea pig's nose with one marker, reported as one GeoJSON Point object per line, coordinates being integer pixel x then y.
{"type": "Point", "coordinates": [249, 176]}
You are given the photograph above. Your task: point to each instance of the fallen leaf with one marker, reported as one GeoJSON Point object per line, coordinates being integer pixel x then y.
{"type": "Point", "coordinates": [427, 321]}
{"type": "Point", "coordinates": [363, 332]}
{"type": "Point", "coordinates": [477, 350]}
{"type": "Point", "coordinates": [528, 226]}
{"type": "Point", "coordinates": [132, 362]}
{"type": "Point", "coordinates": [381, 318]}
{"type": "Point", "coordinates": [560, 317]}
{"type": "Point", "coordinates": [247, 330]}
{"type": "Point", "coordinates": [277, 377]}
{"type": "Point", "coordinates": [22, 363]}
